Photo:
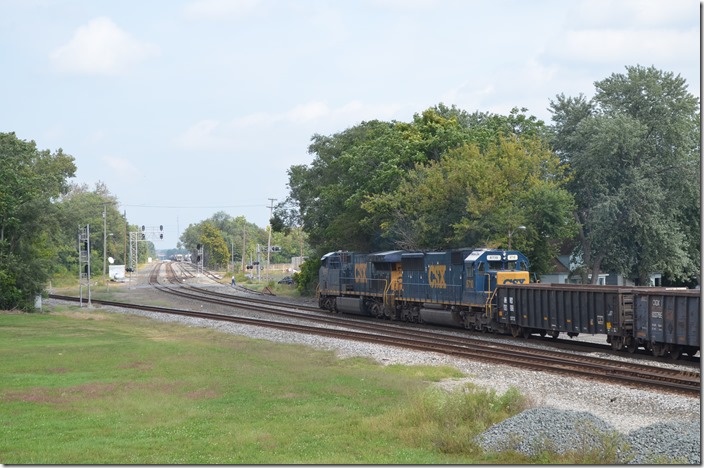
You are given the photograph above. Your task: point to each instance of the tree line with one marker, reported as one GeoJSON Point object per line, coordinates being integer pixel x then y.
{"type": "Point", "coordinates": [616, 177]}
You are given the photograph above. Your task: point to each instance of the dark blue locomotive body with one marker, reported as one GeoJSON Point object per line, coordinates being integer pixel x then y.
{"type": "Point", "coordinates": [452, 287]}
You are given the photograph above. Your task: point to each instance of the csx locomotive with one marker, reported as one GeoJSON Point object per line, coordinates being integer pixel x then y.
{"type": "Point", "coordinates": [489, 290]}
{"type": "Point", "coordinates": [453, 287]}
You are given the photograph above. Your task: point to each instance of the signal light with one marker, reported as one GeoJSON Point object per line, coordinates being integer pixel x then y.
{"type": "Point", "coordinates": [142, 227]}
{"type": "Point", "coordinates": [161, 227]}
{"type": "Point", "coordinates": [161, 236]}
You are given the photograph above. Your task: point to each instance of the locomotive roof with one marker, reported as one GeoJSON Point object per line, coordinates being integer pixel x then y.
{"type": "Point", "coordinates": [391, 256]}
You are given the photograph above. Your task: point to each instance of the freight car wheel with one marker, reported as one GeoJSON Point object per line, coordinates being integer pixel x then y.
{"type": "Point", "coordinates": [675, 352]}
{"type": "Point", "coordinates": [543, 333]}
{"type": "Point", "coordinates": [616, 343]}
{"type": "Point", "coordinates": [658, 349]}
{"type": "Point", "coordinates": [526, 333]}
{"type": "Point", "coordinates": [515, 331]}
{"type": "Point", "coordinates": [555, 334]}
{"type": "Point", "coordinates": [630, 344]}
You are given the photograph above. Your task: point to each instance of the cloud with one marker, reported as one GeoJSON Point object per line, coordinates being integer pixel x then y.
{"type": "Point", "coordinates": [626, 46]}
{"type": "Point", "coordinates": [313, 117]}
{"type": "Point", "coordinates": [122, 167]}
{"type": "Point", "coordinates": [220, 9]}
{"type": "Point", "coordinates": [101, 48]}
{"type": "Point", "coordinates": [647, 32]}
{"type": "Point", "coordinates": [633, 13]}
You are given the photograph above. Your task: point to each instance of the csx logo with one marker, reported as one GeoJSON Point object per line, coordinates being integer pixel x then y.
{"type": "Point", "coordinates": [360, 273]}
{"type": "Point", "coordinates": [514, 281]}
{"type": "Point", "coordinates": [436, 276]}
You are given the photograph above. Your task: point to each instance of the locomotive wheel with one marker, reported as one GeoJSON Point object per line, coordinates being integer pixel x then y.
{"type": "Point", "coordinates": [516, 331]}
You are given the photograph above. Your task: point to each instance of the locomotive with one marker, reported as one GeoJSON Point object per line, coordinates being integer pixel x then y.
{"type": "Point", "coordinates": [489, 290]}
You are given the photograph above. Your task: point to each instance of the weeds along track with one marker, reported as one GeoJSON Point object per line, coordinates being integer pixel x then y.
{"type": "Point", "coordinates": [579, 366]}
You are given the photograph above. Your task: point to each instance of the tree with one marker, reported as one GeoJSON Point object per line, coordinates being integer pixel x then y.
{"type": "Point", "coordinates": [31, 181]}
{"type": "Point", "coordinates": [633, 152]}
{"type": "Point", "coordinates": [474, 198]}
{"type": "Point", "coordinates": [214, 246]}
{"type": "Point", "coordinates": [81, 206]}
{"type": "Point", "coordinates": [365, 159]}
{"type": "Point", "coordinates": [382, 185]}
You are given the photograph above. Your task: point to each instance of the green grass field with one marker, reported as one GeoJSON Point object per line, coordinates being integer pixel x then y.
{"type": "Point", "coordinates": [82, 386]}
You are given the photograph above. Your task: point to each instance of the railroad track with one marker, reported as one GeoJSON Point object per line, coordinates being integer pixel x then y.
{"type": "Point", "coordinates": [558, 343]}
{"type": "Point", "coordinates": [588, 367]}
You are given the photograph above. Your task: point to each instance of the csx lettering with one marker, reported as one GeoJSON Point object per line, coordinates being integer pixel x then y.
{"type": "Point", "coordinates": [656, 302]}
{"type": "Point", "coordinates": [436, 276]}
{"type": "Point", "coordinates": [360, 273]}
{"type": "Point", "coordinates": [514, 281]}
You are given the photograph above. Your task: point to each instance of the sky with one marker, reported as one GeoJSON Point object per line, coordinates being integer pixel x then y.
{"type": "Point", "coordinates": [187, 108]}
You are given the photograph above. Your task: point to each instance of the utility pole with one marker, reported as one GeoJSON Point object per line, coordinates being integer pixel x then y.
{"type": "Point", "coordinates": [244, 245]}
{"type": "Point", "coordinates": [105, 238]}
{"type": "Point", "coordinates": [268, 250]}
{"type": "Point", "coordinates": [124, 252]}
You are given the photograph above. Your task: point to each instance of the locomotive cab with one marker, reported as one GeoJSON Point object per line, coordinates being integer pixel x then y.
{"type": "Point", "coordinates": [486, 269]}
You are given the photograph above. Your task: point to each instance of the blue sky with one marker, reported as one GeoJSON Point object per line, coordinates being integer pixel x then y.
{"type": "Point", "coordinates": [186, 108]}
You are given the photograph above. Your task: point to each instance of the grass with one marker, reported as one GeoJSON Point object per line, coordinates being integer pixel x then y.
{"type": "Point", "coordinates": [82, 386]}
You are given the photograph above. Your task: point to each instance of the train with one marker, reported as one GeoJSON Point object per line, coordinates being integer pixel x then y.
{"type": "Point", "coordinates": [489, 290]}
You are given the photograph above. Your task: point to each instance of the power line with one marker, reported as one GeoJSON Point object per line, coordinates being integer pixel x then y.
{"type": "Point", "coordinates": [189, 207]}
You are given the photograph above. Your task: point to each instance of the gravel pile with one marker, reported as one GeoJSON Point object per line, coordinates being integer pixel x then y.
{"type": "Point", "coordinates": [539, 429]}
{"type": "Point", "coordinates": [564, 410]}
{"type": "Point", "coordinates": [667, 443]}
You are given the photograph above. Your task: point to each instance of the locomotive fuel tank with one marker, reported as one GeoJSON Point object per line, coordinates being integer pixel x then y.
{"type": "Point", "coordinates": [351, 305]}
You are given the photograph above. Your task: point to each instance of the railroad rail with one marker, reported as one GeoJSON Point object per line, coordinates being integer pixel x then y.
{"type": "Point", "coordinates": [592, 368]}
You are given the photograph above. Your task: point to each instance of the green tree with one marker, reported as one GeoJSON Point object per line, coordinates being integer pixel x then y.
{"type": "Point", "coordinates": [633, 152]}
{"type": "Point", "coordinates": [240, 237]}
{"type": "Point", "coordinates": [214, 246]}
{"type": "Point", "coordinates": [81, 206]}
{"type": "Point", "coordinates": [31, 181]}
{"type": "Point", "coordinates": [362, 160]}
{"type": "Point", "coordinates": [474, 198]}
{"type": "Point", "coordinates": [345, 198]}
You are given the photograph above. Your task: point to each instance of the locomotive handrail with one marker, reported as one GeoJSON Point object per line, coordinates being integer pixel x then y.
{"type": "Point", "coordinates": [489, 300]}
